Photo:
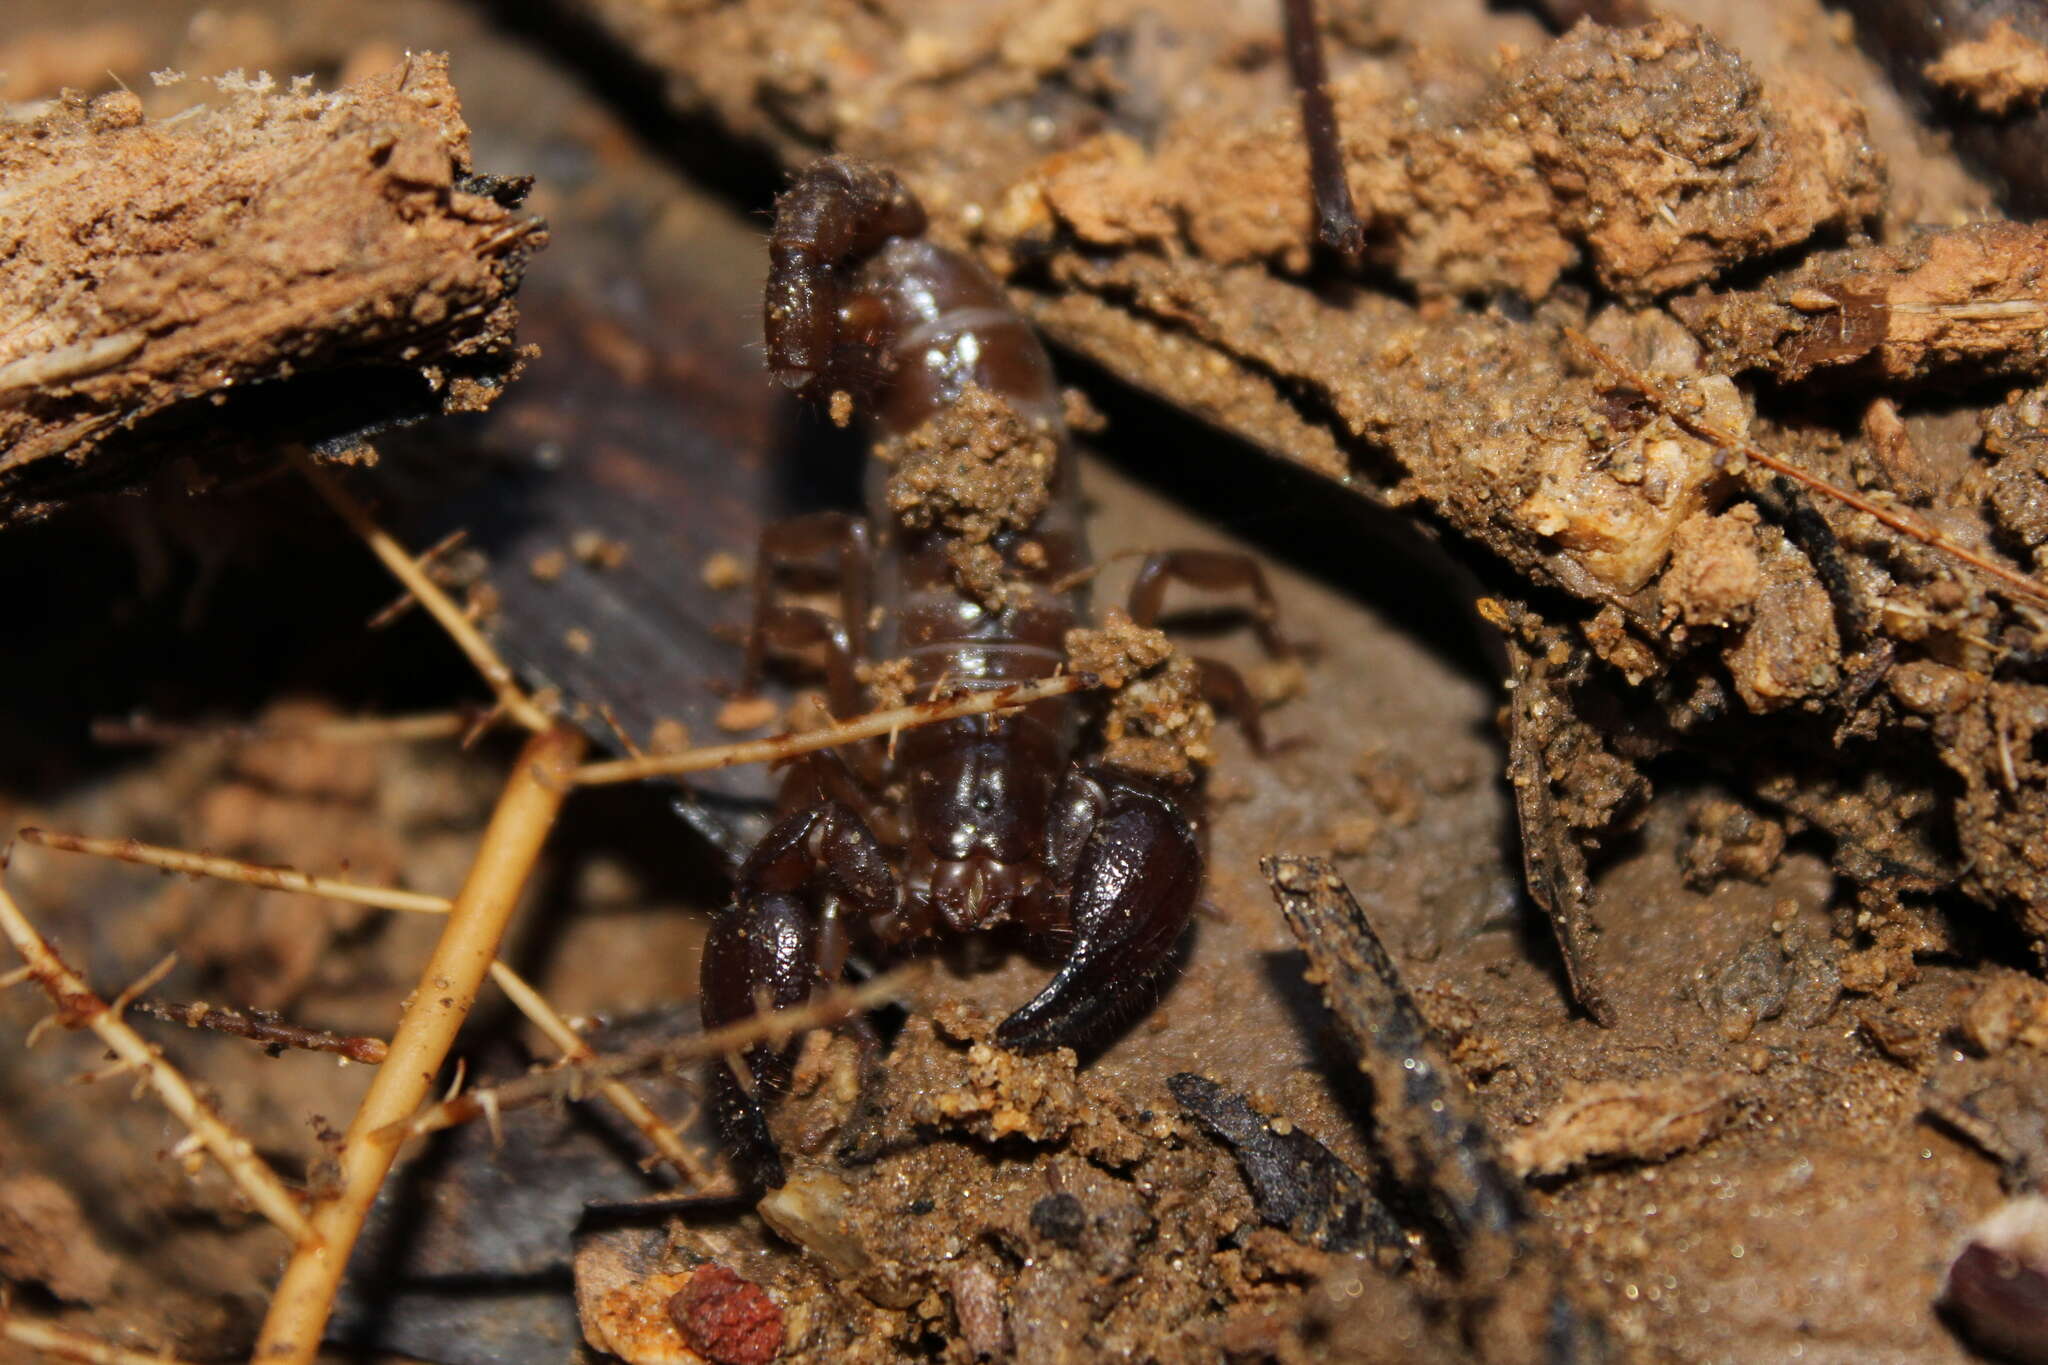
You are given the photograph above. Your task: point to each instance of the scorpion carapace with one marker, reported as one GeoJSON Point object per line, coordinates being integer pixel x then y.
{"type": "Point", "coordinates": [966, 575]}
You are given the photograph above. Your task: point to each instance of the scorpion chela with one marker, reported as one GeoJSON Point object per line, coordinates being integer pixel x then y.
{"type": "Point", "coordinates": [973, 823]}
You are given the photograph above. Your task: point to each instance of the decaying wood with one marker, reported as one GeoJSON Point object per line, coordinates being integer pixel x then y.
{"type": "Point", "coordinates": [1519, 1302]}
{"type": "Point", "coordinates": [277, 235]}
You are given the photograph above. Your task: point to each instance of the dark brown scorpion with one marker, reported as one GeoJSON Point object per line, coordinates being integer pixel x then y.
{"type": "Point", "coordinates": [991, 820]}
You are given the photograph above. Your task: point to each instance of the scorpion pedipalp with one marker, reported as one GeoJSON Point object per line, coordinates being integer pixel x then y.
{"type": "Point", "coordinates": [1133, 890]}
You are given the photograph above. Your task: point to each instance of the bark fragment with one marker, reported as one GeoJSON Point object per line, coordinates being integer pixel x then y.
{"type": "Point", "coordinates": [146, 266]}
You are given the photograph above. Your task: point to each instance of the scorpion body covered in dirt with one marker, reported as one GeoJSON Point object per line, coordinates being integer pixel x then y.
{"type": "Point", "coordinates": [967, 574]}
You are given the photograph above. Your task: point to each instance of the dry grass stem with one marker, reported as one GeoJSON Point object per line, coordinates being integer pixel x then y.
{"type": "Point", "coordinates": [1886, 516]}
{"type": "Point", "coordinates": [79, 1007]}
{"type": "Point", "coordinates": [875, 723]}
{"type": "Point", "coordinates": [395, 557]}
{"type": "Point", "coordinates": [406, 601]}
{"type": "Point", "coordinates": [58, 1343]}
{"type": "Point", "coordinates": [448, 984]}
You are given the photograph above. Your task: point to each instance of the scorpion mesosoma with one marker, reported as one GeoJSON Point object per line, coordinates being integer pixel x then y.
{"type": "Point", "coordinates": [991, 821]}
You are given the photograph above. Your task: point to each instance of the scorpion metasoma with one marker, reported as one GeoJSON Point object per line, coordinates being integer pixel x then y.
{"type": "Point", "coordinates": [971, 824]}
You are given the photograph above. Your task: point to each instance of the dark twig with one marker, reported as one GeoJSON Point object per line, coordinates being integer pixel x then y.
{"type": "Point", "coordinates": [261, 1026]}
{"type": "Point", "coordinates": [569, 1079]}
{"type": "Point", "coordinates": [1336, 220]}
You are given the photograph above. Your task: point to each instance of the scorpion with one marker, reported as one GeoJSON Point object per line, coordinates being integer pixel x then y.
{"type": "Point", "coordinates": [975, 823]}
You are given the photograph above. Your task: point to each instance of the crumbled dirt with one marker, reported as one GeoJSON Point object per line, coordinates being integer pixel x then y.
{"type": "Point", "coordinates": [742, 714]}
{"type": "Point", "coordinates": [1997, 73]}
{"type": "Point", "coordinates": [1730, 840]}
{"type": "Point", "coordinates": [723, 572]}
{"type": "Point", "coordinates": [1477, 181]}
{"type": "Point", "coordinates": [1971, 298]}
{"type": "Point", "coordinates": [45, 1241]}
{"type": "Point", "coordinates": [1017, 1199]}
{"type": "Point", "coordinates": [1620, 1121]}
{"type": "Point", "coordinates": [976, 469]}
{"type": "Point", "coordinates": [276, 232]}
{"type": "Point", "coordinates": [2007, 1009]}
{"type": "Point", "coordinates": [1157, 722]}
{"type": "Point", "coordinates": [891, 683]}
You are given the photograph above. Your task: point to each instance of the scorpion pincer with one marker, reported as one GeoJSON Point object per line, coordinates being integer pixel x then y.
{"type": "Point", "coordinates": [990, 820]}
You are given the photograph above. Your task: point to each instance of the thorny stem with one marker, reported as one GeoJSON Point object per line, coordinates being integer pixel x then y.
{"type": "Point", "coordinates": [777, 747]}
{"type": "Point", "coordinates": [58, 1343]}
{"type": "Point", "coordinates": [1898, 521]}
{"type": "Point", "coordinates": [771, 1026]}
{"type": "Point", "coordinates": [621, 1096]}
{"type": "Point", "coordinates": [448, 985]}
{"type": "Point", "coordinates": [79, 1007]}
{"type": "Point", "coordinates": [530, 1001]}
{"type": "Point", "coordinates": [407, 570]}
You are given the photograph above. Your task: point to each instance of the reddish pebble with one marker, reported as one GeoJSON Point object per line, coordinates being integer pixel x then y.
{"type": "Point", "coordinates": [727, 1319]}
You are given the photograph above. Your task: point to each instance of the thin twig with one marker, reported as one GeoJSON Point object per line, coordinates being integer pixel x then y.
{"type": "Point", "coordinates": [771, 1026]}
{"type": "Point", "coordinates": [447, 987]}
{"type": "Point", "coordinates": [142, 729]}
{"type": "Point", "coordinates": [260, 1026]}
{"type": "Point", "coordinates": [621, 1096]}
{"type": "Point", "coordinates": [405, 601]}
{"type": "Point", "coordinates": [235, 869]}
{"type": "Point", "coordinates": [777, 747]}
{"type": "Point", "coordinates": [1336, 219]}
{"type": "Point", "coordinates": [1898, 521]}
{"type": "Point", "coordinates": [453, 619]}
{"type": "Point", "coordinates": [79, 1007]}
{"type": "Point", "coordinates": [60, 1343]}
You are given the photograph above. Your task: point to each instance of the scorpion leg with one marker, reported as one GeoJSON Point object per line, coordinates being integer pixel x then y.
{"type": "Point", "coordinates": [771, 948]}
{"type": "Point", "coordinates": [796, 628]}
{"type": "Point", "coordinates": [1131, 868]}
{"type": "Point", "coordinates": [832, 545]}
{"type": "Point", "coordinates": [1216, 570]}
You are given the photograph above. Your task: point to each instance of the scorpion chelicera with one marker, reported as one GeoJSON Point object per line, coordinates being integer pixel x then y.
{"type": "Point", "coordinates": [991, 820]}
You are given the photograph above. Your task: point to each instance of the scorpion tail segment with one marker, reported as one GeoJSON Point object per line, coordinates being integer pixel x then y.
{"type": "Point", "coordinates": [1133, 892]}
{"type": "Point", "coordinates": [837, 213]}
{"type": "Point", "coordinates": [760, 955]}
